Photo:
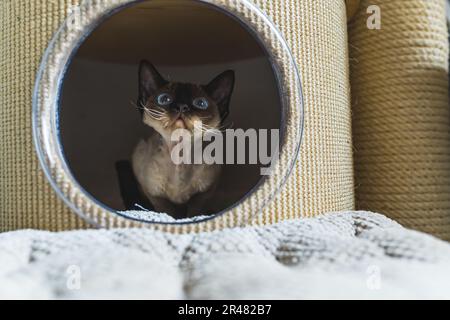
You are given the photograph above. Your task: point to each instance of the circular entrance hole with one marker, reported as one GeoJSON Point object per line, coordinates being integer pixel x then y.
{"type": "Point", "coordinates": [100, 122]}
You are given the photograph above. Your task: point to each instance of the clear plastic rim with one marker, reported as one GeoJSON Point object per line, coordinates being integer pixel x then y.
{"type": "Point", "coordinates": [46, 102]}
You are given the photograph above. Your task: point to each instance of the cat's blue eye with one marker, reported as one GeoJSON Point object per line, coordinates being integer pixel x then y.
{"type": "Point", "coordinates": [164, 99]}
{"type": "Point", "coordinates": [200, 103]}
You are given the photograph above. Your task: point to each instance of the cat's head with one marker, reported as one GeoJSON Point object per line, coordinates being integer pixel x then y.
{"type": "Point", "coordinates": [167, 106]}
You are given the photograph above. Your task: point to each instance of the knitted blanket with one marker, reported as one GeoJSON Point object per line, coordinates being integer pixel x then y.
{"type": "Point", "coordinates": [340, 255]}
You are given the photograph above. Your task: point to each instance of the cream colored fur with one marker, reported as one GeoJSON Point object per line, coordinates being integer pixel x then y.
{"type": "Point", "coordinates": [161, 179]}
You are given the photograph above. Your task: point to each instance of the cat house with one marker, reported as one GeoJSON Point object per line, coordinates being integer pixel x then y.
{"type": "Point", "coordinates": [65, 163]}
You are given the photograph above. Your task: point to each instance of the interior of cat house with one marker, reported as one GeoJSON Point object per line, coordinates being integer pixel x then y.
{"type": "Point", "coordinates": [100, 115]}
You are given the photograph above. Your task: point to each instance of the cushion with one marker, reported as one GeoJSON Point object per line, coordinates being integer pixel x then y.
{"type": "Point", "coordinates": [359, 255]}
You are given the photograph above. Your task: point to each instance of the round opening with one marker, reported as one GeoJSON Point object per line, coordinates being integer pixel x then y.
{"type": "Point", "coordinates": [100, 122]}
{"type": "Point", "coordinates": [119, 83]}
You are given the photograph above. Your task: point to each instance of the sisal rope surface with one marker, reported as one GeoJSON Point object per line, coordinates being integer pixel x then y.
{"type": "Point", "coordinates": [323, 177]}
{"type": "Point", "coordinates": [322, 180]}
{"type": "Point", "coordinates": [26, 198]}
{"type": "Point", "coordinates": [401, 116]}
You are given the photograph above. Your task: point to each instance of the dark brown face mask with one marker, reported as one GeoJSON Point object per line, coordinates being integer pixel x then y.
{"type": "Point", "coordinates": [184, 100]}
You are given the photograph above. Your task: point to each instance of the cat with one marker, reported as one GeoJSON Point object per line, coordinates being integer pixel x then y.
{"type": "Point", "coordinates": [181, 190]}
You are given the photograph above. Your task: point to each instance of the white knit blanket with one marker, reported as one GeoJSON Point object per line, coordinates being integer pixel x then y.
{"type": "Point", "coordinates": [339, 255]}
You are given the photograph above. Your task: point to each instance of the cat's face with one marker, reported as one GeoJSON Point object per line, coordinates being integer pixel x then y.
{"type": "Point", "coordinates": [168, 106]}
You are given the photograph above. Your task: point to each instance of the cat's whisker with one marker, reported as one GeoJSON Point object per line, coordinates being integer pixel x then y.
{"type": "Point", "coordinates": [145, 106]}
{"type": "Point", "coordinates": [207, 129]}
{"type": "Point", "coordinates": [155, 116]}
{"type": "Point", "coordinates": [214, 131]}
{"type": "Point", "coordinates": [155, 112]}
{"type": "Point", "coordinates": [220, 128]}
{"type": "Point", "coordinates": [159, 114]}
{"type": "Point", "coordinates": [133, 104]}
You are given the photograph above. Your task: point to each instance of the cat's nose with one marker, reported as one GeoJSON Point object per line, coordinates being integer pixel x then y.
{"type": "Point", "coordinates": [183, 108]}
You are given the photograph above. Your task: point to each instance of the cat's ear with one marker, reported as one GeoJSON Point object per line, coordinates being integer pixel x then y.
{"type": "Point", "coordinates": [220, 90]}
{"type": "Point", "coordinates": [149, 81]}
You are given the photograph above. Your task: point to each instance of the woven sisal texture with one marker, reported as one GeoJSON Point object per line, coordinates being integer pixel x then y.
{"type": "Point", "coordinates": [323, 177]}
{"type": "Point", "coordinates": [322, 180]}
{"type": "Point", "coordinates": [401, 116]}
{"type": "Point", "coordinates": [26, 199]}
